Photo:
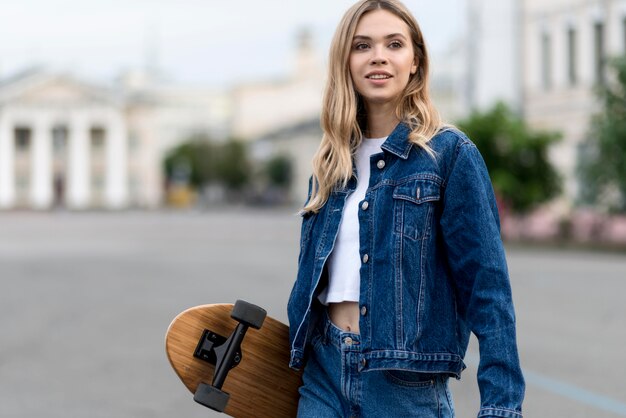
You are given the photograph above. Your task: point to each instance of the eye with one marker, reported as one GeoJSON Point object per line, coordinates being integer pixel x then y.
{"type": "Point", "coordinates": [360, 46]}
{"type": "Point", "coordinates": [395, 44]}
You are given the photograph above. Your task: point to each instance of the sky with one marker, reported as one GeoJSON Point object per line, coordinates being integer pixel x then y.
{"type": "Point", "coordinates": [209, 42]}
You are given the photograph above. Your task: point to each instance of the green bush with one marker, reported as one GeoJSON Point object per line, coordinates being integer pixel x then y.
{"type": "Point", "coordinates": [192, 163]}
{"type": "Point", "coordinates": [279, 171]}
{"type": "Point", "coordinates": [233, 166]}
{"type": "Point", "coordinates": [516, 157]}
{"type": "Point", "coordinates": [199, 162]}
{"type": "Point", "coordinates": [602, 167]}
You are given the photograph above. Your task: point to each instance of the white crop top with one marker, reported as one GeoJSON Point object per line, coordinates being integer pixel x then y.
{"type": "Point", "coordinates": [344, 261]}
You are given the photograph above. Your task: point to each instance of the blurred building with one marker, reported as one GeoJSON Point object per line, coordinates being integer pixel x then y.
{"type": "Point", "coordinates": [544, 59]}
{"type": "Point", "coordinates": [161, 115]}
{"type": "Point", "coordinates": [68, 143]}
{"type": "Point", "coordinates": [262, 107]}
{"type": "Point", "coordinates": [281, 117]}
{"type": "Point", "coordinates": [448, 86]}
{"type": "Point", "coordinates": [298, 142]}
{"type": "Point", "coordinates": [62, 141]}
{"type": "Point", "coordinates": [566, 47]}
{"type": "Point", "coordinates": [492, 51]}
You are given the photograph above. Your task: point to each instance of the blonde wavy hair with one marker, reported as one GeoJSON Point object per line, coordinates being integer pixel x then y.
{"type": "Point", "coordinates": [343, 111]}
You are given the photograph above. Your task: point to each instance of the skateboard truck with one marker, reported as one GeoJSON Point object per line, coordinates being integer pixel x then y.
{"type": "Point", "coordinates": [225, 353]}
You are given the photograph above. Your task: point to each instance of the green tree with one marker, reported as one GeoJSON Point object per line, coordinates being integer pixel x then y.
{"type": "Point", "coordinates": [233, 165]}
{"type": "Point", "coordinates": [279, 171]}
{"type": "Point", "coordinates": [193, 162]}
{"type": "Point", "coordinates": [516, 157]}
{"type": "Point", "coordinates": [199, 162]}
{"type": "Point", "coordinates": [602, 167]}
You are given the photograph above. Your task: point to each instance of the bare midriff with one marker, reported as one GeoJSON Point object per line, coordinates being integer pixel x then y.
{"type": "Point", "coordinates": [345, 315]}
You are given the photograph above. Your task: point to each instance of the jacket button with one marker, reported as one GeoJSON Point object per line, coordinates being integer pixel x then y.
{"type": "Point", "coordinates": [365, 205]}
{"type": "Point", "coordinates": [365, 258]}
{"type": "Point", "coordinates": [363, 310]}
{"type": "Point", "coordinates": [380, 164]}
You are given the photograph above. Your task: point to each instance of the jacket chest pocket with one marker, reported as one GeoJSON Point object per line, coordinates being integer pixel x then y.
{"type": "Point", "coordinates": [414, 203]}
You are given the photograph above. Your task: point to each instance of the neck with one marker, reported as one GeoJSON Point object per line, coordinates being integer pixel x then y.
{"type": "Point", "coordinates": [381, 120]}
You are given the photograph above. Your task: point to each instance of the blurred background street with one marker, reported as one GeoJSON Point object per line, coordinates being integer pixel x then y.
{"type": "Point", "coordinates": [86, 300]}
{"type": "Point", "coordinates": [153, 155]}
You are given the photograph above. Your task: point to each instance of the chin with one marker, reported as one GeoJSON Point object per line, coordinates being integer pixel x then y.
{"type": "Point", "coordinates": [379, 100]}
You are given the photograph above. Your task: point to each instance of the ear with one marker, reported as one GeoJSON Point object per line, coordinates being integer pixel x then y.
{"type": "Point", "coordinates": [414, 66]}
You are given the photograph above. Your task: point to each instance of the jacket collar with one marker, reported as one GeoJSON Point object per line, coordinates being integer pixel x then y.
{"type": "Point", "coordinates": [397, 143]}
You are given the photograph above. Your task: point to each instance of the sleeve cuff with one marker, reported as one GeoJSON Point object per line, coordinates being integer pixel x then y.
{"type": "Point", "coordinates": [499, 412]}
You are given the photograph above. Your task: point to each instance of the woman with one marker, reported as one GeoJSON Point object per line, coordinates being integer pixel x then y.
{"type": "Point", "coordinates": [401, 256]}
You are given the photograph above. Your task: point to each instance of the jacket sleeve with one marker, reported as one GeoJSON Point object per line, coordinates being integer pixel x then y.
{"type": "Point", "coordinates": [471, 231]}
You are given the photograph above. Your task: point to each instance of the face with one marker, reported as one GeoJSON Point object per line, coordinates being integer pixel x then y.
{"type": "Point", "coordinates": [381, 57]}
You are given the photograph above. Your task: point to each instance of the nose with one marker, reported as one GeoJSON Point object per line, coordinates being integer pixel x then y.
{"type": "Point", "coordinates": [378, 56]}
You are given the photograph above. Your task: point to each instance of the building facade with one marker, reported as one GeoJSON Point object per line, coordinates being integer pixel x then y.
{"type": "Point", "coordinates": [62, 142]}
{"type": "Point", "coordinates": [263, 107]}
{"type": "Point", "coordinates": [544, 59]}
{"type": "Point", "coordinates": [492, 50]}
{"type": "Point", "coordinates": [67, 143]}
{"type": "Point", "coordinates": [567, 44]}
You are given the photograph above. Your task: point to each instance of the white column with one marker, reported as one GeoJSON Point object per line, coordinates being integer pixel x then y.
{"type": "Point", "coordinates": [79, 175]}
{"type": "Point", "coordinates": [614, 30]}
{"type": "Point", "coordinates": [116, 193]}
{"type": "Point", "coordinates": [41, 166]}
{"type": "Point", "coordinates": [7, 160]}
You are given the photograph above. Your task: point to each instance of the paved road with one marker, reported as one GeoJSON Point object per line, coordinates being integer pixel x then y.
{"type": "Point", "coordinates": [85, 300]}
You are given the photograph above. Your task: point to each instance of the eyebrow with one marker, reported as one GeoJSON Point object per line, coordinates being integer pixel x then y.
{"type": "Point", "coordinates": [391, 35]}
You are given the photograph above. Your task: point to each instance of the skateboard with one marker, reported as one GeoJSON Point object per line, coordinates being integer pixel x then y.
{"type": "Point", "coordinates": [234, 359]}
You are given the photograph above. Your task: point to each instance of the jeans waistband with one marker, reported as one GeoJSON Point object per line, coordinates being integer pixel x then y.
{"type": "Point", "coordinates": [332, 334]}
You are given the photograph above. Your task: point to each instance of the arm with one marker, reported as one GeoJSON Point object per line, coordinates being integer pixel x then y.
{"type": "Point", "coordinates": [471, 231]}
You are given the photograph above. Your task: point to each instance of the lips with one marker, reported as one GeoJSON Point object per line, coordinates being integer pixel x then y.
{"type": "Point", "coordinates": [378, 75]}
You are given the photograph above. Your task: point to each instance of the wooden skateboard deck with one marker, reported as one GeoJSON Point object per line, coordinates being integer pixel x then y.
{"type": "Point", "coordinates": [260, 385]}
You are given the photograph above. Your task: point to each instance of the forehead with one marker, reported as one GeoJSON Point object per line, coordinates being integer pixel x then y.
{"type": "Point", "coordinates": [379, 23]}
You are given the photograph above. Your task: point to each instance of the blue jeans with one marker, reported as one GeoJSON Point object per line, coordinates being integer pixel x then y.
{"type": "Point", "coordinates": [333, 386]}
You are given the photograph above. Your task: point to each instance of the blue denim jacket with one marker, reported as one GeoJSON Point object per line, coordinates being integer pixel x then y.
{"type": "Point", "coordinates": [433, 268]}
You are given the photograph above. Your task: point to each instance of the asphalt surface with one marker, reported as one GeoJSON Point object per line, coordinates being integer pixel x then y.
{"type": "Point", "coordinates": [85, 300]}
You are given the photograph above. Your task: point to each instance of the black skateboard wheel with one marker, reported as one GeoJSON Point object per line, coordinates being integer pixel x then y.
{"type": "Point", "coordinates": [211, 397]}
{"type": "Point", "coordinates": [248, 314]}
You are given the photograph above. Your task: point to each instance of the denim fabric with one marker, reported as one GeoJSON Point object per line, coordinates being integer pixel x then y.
{"type": "Point", "coordinates": [334, 387]}
{"type": "Point", "coordinates": [433, 268]}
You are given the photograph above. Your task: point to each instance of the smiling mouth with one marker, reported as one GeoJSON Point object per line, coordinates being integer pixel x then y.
{"type": "Point", "coordinates": [378, 76]}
